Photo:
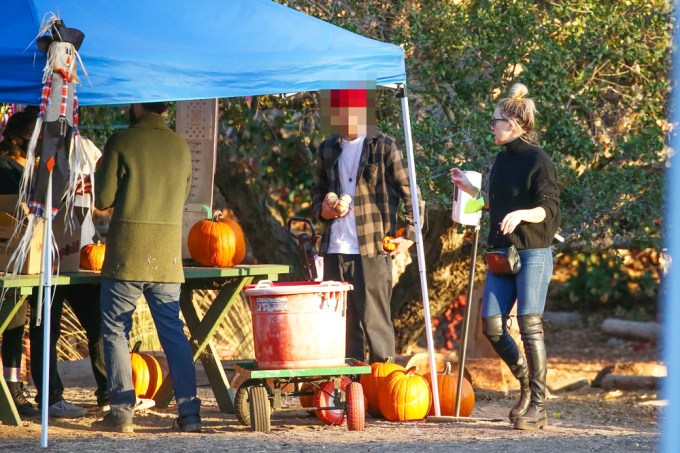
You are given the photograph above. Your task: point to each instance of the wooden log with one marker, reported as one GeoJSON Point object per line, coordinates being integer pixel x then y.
{"type": "Point", "coordinates": [632, 330]}
{"type": "Point", "coordinates": [622, 382]}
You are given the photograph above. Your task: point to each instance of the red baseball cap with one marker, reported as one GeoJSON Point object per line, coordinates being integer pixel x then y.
{"type": "Point", "coordinates": [348, 98]}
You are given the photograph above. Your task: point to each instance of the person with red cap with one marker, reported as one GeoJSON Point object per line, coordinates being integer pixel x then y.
{"type": "Point", "coordinates": [366, 165]}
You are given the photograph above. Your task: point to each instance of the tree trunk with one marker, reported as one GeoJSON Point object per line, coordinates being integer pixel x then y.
{"type": "Point", "coordinates": [265, 230]}
{"type": "Point", "coordinates": [447, 260]}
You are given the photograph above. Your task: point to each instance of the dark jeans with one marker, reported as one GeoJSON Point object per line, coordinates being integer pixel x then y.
{"type": "Point", "coordinates": [119, 300]}
{"type": "Point", "coordinates": [368, 312]}
{"type": "Point", "coordinates": [84, 301]}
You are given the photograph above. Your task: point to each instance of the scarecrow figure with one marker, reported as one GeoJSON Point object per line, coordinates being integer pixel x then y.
{"type": "Point", "coordinates": [58, 116]}
{"type": "Point", "coordinates": [59, 156]}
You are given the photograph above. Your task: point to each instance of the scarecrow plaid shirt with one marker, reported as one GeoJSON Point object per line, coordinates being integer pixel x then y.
{"type": "Point", "coordinates": [382, 180]}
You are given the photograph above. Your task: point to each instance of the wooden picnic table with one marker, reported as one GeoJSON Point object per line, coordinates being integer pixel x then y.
{"type": "Point", "coordinates": [227, 282]}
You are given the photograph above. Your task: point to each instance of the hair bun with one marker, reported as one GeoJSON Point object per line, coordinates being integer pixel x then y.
{"type": "Point", "coordinates": [518, 91]}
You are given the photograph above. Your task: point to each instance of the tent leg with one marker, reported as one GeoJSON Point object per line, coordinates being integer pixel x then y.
{"type": "Point", "coordinates": [419, 248]}
{"type": "Point", "coordinates": [46, 274]}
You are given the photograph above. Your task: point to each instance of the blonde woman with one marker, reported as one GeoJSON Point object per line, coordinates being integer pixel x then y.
{"type": "Point", "coordinates": [523, 203]}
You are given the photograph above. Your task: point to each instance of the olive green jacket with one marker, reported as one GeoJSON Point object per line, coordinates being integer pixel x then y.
{"type": "Point", "coordinates": [145, 176]}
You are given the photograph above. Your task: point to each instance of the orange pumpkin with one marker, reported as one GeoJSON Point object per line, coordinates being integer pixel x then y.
{"type": "Point", "coordinates": [372, 382]}
{"type": "Point", "coordinates": [309, 390]}
{"type": "Point", "coordinates": [92, 256]}
{"type": "Point", "coordinates": [404, 395]}
{"type": "Point", "coordinates": [217, 242]}
{"type": "Point", "coordinates": [147, 373]}
{"type": "Point", "coordinates": [388, 245]}
{"type": "Point", "coordinates": [447, 385]}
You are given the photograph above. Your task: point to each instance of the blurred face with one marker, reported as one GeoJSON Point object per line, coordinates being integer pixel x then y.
{"type": "Point", "coordinates": [349, 122]}
{"type": "Point", "coordinates": [504, 130]}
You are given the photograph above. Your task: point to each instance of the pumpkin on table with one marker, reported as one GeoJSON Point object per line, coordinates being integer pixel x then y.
{"type": "Point", "coordinates": [404, 395]}
{"type": "Point", "coordinates": [92, 256]}
{"type": "Point", "coordinates": [447, 384]}
{"type": "Point", "coordinates": [217, 242]}
{"type": "Point", "coordinates": [372, 382]}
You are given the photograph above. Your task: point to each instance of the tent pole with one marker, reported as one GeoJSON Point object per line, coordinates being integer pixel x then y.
{"type": "Point", "coordinates": [419, 247]}
{"type": "Point", "coordinates": [46, 274]}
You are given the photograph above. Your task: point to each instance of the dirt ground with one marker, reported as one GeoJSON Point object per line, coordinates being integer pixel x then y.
{"type": "Point", "coordinates": [583, 420]}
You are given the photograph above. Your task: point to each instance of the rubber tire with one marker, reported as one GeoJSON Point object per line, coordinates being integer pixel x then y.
{"type": "Point", "coordinates": [241, 404]}
{"type": "Point", "coordinates": [356, 413]}
{"type": "Point", "coordinates": [325, 398]}
{"type": "Point", "coordinates": [260, 409]}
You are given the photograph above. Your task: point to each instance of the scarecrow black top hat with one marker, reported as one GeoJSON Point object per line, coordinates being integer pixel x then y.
{"type": "Point", "coordinates": [61, 32]}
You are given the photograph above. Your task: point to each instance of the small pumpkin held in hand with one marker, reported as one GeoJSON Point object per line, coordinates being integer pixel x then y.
{"type": "Point", "coordinates": [217, 242]}
{"type": "Point", "coordinates": [92, 256]}
{"type": "Point", "coordinates": [387, 243]}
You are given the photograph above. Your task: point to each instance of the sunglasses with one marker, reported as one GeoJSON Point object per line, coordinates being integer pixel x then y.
{"type": "Point", "coordinates": [495, 120]}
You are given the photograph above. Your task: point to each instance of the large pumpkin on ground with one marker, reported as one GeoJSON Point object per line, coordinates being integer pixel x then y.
{"type": "Point", "coordinates": [147, 373]}
{"type": "Point", "coordinates": [217, 242]}
{"type": "Point", "coordinates": [447, 385]}
{"type": "Point", "coordinates": [92, 256]}
{"type": "Point", "coordinates": [404, 395]}
{"type": "Point", "coordinates": [372, 382]}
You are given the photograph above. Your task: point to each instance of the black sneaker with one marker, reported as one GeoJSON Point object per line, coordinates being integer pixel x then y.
{"type": "Point", "coordinates": [188, 424]}
{"type": "Point", "coordinates": [19, 394]}
{"type": "Point", "coordinates": [113, 424]}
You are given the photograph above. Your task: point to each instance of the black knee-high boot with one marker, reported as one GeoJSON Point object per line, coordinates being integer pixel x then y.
{"type": "Point", "coordinates": [531, 329]}
{"type": "Point", "coordinates": [494, 329]}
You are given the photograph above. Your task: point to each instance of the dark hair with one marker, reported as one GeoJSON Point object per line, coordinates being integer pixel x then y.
{"type": "Point", "coordinates": [18, 125]}
{"type": "Point", "coordinates": [155, 107]}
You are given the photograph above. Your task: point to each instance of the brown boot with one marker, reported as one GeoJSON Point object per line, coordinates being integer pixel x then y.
{"type": "Point", "coordinates": [530, 327]}
{"type": "Point", "coordinates": [18, 392]}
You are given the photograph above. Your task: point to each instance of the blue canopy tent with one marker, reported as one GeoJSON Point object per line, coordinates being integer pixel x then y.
{"type": "Point", "coordinates": [158, 50]}
{"type": "Point", "coordinates": [169, 50]}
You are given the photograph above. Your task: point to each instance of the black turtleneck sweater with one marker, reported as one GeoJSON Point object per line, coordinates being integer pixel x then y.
{"type": "Point", "coordinates": [523, 177]}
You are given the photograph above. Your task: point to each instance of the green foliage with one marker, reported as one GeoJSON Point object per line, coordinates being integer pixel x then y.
{"type": "Point", "coordinates": [609, 281]}
{"type": "Point", "coordinates": [98, 123]}
{"type": "Point", "coordinates": [273, 141]}
{"type": "Point", "coordinates": [598, 71]}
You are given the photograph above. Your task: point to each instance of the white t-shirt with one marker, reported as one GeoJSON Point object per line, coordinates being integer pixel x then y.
{"type": "Point", "coordinates": [344, 237]}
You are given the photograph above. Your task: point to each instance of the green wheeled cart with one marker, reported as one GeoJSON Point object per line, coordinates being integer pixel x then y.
{"type": "Point", "coordinates": [335, 395]}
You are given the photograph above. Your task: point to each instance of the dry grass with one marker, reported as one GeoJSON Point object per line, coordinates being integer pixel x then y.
{"type": "Point", "coordinates": [233, 339]}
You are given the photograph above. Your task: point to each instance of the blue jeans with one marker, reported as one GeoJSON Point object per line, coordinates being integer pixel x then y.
{"type": "Point", "coordinates": [529, 287]}
{"type": "Point", "coordinates": [118, 302]}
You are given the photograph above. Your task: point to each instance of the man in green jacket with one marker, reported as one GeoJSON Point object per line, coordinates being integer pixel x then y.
{"type": "Point", "coordinates": [145, 176]}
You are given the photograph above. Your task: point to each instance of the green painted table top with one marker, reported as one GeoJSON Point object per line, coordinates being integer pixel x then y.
{"type": "Point", "coordinates": [83, 277]}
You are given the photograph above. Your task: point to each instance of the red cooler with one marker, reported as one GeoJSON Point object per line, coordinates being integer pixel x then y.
{"type": "Point", "coordinates": [298, 324]}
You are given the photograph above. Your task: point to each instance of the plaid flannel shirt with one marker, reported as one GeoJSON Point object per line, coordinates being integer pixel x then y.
{"type": "Point", "coordinates": [382, 179]}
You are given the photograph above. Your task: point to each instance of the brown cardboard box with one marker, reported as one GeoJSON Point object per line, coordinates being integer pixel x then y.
{"type": "Point", "coordinates": [67, 241]}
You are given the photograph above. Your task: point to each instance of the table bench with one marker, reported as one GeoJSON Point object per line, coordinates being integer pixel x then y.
{"type": "Point", "coordinates": [227, 282]}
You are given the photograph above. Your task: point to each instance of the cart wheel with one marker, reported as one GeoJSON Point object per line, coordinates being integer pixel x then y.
{"type": "Point", "coordinates": [260, 409]}
{"type": "Point", "coordinates": [356, 414]}
{"type": "Point", "coordinates": [241, 401]}
{"type": "Point", "coordinates": [326, 397]}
